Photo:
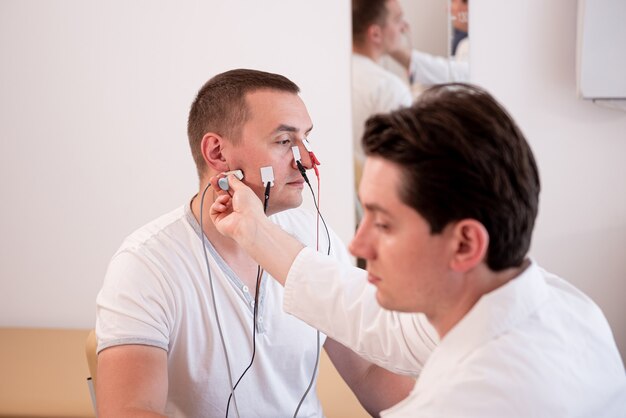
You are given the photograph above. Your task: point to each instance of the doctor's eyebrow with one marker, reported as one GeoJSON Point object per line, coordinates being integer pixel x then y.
{"type": "Point", "coordinates": [374, 207]}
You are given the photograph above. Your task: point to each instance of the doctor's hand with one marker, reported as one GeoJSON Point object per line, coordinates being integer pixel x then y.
{"type": "Point", "coordinates": [236, 213]}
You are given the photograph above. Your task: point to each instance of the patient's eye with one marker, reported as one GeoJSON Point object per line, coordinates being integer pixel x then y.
{"type": "Point", "coordinates": [284, 140]}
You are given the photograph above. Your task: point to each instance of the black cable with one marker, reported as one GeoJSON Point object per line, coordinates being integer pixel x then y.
{"type": "Point", "coordinates": [306, 179]}
{"type": "Point", "coordinates": [317, 362]}
{"type": "Point", "coordinates": [317, 358]}
{"type": "Point", "coordinates": [256, 307]}
{"type": "Point", "coordinates": [256, 304]}
{"type": "Point", "coordinates": [302, 171]}
{"type": "Point", "coordinates": [267, 196]}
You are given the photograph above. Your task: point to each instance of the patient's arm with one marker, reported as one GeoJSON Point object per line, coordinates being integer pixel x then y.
{"type": "Point", "coordinates": [132, 382]}
{"type": "Point", "coordinates": [376, 388]}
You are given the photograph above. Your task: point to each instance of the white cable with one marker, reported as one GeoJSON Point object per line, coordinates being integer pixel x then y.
{"type": "Point", "coordinates": [217, 317]}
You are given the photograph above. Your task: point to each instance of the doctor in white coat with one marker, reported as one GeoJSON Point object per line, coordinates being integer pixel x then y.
{"type": "Point", "coordinates": [450, 191]}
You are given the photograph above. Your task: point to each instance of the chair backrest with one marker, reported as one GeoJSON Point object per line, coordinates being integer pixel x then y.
{"type": "Point", "coordinates": [91, 345]}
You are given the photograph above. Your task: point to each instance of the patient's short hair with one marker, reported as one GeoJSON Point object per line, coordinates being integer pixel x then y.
{"type": "Point", "coordinates": [220, 106]}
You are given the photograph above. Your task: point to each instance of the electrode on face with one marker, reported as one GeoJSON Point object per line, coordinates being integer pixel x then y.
{"type": "Point", "coordinates": [223, 182]}
{"type": "Point", "coordinates": [267, 175]}
{"type": "Point", "coordinates": [307, 145]}
{"type": "Point", "coordinates": [309, 149]}
{"type": "Point", "coordinates": [296, 153]}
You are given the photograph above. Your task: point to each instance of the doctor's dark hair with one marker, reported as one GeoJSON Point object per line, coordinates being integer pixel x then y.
{"type": "Point", "coordinates": [220, 106]}
{"type": "Point", "coordinates": [462, 156]}
{"type": "Point", "coordinates": [364, 14]}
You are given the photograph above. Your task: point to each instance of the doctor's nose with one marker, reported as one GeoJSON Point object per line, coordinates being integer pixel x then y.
{"type": "Point", "coordinates": [361, 245]}
{"type": "Point", "coordinates": [405, 26]}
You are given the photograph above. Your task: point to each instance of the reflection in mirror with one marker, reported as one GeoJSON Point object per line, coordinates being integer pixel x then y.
{"type": "Point", "coordinates": [436, 44]}
{"type": "Point", "coordinates": [460, 29]}
{"type": "Point", "coordinates": [400, 47]}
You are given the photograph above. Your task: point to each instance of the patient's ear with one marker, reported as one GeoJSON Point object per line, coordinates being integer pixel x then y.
{"type": "Point", "coordinates": [471, 241]}
{"type": "Point", "coordinates": [375, 34]}
{"type": "Point", "coordinates": [212, 147]}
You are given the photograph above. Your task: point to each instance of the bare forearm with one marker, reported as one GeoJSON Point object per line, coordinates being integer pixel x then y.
{"type": "Point", "coordinates": [381, 389]}
{"type": "Point", "coordinates": [376, 388]}
{"type": "Point", "coordinates": [270, 246]}
{"type": "Point", "coordinates": [238, 214]}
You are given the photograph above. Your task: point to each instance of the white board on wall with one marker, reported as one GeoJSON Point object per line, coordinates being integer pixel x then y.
{"type": "Point", "coordinates": [601, 49]}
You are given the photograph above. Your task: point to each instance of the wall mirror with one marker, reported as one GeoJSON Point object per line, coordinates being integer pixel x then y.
{"type": "Point", "coordinates": [432, 44]}
{"type": "Point", "coordinates": [437, 35]}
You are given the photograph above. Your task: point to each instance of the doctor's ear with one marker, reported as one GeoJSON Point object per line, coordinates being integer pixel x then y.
{"type": "Point", "coordinates": [212, 147]}
{"type": "Point", "coordinates": [471, 242]}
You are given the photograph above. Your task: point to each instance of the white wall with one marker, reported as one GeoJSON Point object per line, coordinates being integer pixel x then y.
{"type": "Point", "coordinates": [524, 53]}
{"type": "Point", "coordinates": [429, 25]}
{"type": "Point", "coordinates": [93, 104]}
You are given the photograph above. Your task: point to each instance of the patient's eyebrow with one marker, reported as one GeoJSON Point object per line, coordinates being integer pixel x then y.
{"type": "Point", "coordinates": [288, 128]}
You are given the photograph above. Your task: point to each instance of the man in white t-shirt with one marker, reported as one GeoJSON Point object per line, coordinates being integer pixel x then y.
{"type": "Point", "coordinates": [377, 28]}
{"type": "Point", "coordinates": [176, 313]}
{"type": "Point", "coordinates": [451, 193]}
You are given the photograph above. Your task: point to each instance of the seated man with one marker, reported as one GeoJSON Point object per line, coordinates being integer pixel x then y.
{"type": "Point", "coordinates": [377, 27]}
{"type": "Point", "coordinates": [175, 316]}
{"type": "Point", "coordinates": [450, 191]}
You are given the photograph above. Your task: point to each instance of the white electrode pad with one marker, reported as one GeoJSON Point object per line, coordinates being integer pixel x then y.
{"type": "Point", "coordinates": [307, 145]}
{"type": "Point", "coordinates": [267, 175]}
{"type": "Point", "coordinates": [296, 153]}
{"type": "Point", "coordinates": [223, 182]}
{"type": "Point", "coordinates": [236, 173]}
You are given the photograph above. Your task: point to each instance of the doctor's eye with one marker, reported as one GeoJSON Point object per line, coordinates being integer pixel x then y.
{"type": "Point", "coordinates": [381, 226]}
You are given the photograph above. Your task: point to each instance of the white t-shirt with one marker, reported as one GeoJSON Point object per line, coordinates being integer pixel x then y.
{"type": "Point", "coordinates": [535, 347]}
{"type": "Point", "coordinates": [374, 90]}
{"type": "Point", "coordinates": [156, 292]}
